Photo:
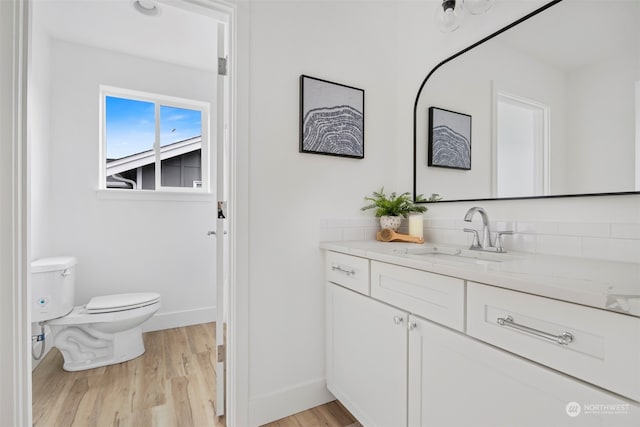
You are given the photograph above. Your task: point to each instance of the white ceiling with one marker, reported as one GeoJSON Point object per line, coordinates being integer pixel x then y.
{"type": "Point", "coordinates": [175, 35]}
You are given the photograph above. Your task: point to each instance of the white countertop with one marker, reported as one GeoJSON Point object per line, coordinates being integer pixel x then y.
{"type": "Point", "coordinates": [608, 285]}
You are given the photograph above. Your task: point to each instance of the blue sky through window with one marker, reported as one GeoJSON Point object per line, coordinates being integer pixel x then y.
{"type": "Point", "coordinates": [130, 126]}
{"type": "Point", "coordinates": [178, 124]}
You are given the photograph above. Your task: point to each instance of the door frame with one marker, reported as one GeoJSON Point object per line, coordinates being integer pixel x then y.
{"type": "Point", "coordinates": [14, 221]}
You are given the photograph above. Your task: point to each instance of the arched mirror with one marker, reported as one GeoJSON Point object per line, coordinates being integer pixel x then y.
{"type": "Point", "coordinates": [549, 106]}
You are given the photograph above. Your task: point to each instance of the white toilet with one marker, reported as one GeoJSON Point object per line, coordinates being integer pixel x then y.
{"type": "Point", "coordinates": [102, 332]}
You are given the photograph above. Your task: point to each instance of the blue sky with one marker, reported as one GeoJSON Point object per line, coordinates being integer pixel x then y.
{"type": "Point", "coordinates": [130, 126]}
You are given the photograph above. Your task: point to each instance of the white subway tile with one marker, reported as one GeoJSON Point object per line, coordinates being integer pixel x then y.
{"type": "Point", "coordinates": [338, 222]}
{"type": "Point", "coordinates": [584, 229]}
{"type": "Point", "coordinates": [330, 234]}
{"type": "Point", "coordinates": [364, 222]}
{"type": "Point", "coordinates": [559, 245]}
{"type": "Point", "coordinates": [625, 250]}
{"type": "Point", "coordinates": [526, 227]}
{"type": "Point", "coordinates": [520, 242]}
{"type": "Point", "coordinates": [442, 223]}
{"type": "Point", "coordinates": [547, 227]}
{"type": "Point", "coordinates": [370, 233]}
{"type": "Point", "coordinates": [503, 225]}
{"type": "Point", "coordinates": [353, 233]}
{"type": "Point", "coordinates": [625, 231]}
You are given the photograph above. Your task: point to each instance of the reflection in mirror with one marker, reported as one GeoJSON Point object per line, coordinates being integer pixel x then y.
{"type": "Point", "coordinates": [555, 106]}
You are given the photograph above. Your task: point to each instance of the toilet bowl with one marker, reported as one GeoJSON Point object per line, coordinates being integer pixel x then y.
{"type": "Point", "coordinates": [105, 331]}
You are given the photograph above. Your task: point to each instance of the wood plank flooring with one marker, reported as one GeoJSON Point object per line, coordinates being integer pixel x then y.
{"type": "Point", "coordinates": [172, 384]}
{"type": "Point", "coordinates": [331, 414]}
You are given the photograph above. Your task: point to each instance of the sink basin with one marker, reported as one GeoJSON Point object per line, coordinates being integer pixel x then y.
{"type": "Point", "coordinates": [459, 256]}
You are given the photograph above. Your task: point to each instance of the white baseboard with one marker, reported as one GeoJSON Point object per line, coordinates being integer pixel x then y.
{"type": "Point", "coordinates": [284, 402]}
{"type": "Point", "coordinates": [177, 319]}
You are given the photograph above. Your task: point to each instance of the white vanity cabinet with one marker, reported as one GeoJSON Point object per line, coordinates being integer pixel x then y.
{"type": "Point", "coordinates": [457, 381]}
{"type": "Point", "coordinates": [367, 357]}
{"type": "Point", "coordinates": [407, 347]}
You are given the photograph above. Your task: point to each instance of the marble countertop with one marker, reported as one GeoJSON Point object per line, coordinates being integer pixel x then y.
{"type": "Point", "coordinates": [608, 285]}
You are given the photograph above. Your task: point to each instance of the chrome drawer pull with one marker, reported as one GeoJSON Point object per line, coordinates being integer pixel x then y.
{"type": "Point", "coordinates": [564, 339]}
{"type": "Point", "coordinates": [347, 271]}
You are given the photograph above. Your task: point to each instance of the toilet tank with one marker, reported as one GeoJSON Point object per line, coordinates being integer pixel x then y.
{"type": "Point", "coordinates": [52, 287]}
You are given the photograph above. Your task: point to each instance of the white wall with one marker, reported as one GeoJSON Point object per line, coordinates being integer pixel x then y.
{"type": "Point", "coordinates": [39, 101]}
{"type": "Point", "coordinates": [289, 191]}
{"type": "Point", "coordinates": [125, 244]}
{"type": "Point", "coordinates": [606, 132]}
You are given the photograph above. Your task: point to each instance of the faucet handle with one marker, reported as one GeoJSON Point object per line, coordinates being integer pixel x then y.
{"type": "Point", "coordinates": [499, 234]}
{"type": "Point", "coordinates": [476, 239]}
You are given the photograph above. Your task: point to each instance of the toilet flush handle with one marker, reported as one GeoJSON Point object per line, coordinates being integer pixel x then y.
{"type": "Point", "coordinates": [66, 272]}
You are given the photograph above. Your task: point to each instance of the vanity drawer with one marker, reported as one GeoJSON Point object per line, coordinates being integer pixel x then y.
{"type": "Point", "coordinates": [432, 296]}
{"type": "Point", "coordinates": [603, 347]}
{"type": "Point", "coordinates": [349, 271]}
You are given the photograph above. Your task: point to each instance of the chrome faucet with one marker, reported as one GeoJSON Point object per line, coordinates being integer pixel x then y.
{"type": "Point", "coordinates": [485, 243]}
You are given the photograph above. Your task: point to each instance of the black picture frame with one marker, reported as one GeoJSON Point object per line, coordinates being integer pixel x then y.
{"type": "Point", "coordinates": [331, 118]}
{"type": "Point", "coordinates": [449, 139]}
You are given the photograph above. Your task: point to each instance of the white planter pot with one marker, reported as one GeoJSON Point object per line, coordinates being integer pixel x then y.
{"type": "Point", "coordinates": [392, 222]}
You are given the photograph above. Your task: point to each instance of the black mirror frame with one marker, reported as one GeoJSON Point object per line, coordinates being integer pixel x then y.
{"type": "Point", "coordinates": [415, 116]}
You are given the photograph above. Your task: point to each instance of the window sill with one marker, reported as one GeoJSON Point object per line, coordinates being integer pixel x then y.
{"type": "Point", "coordinates": [152, 195]}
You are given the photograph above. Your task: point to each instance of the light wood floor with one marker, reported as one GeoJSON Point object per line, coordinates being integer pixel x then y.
{"type": "Point", "coordinates": [331, 414]}
{"type": "Point", "coordinates": [172, 384]}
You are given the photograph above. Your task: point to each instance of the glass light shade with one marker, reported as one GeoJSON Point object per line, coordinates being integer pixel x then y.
{"type": "Point", "coordinates": [449, 15]}
{"type": "Point", "coordinates": [478, 7]}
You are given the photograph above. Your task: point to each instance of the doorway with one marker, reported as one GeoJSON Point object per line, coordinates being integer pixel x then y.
{"type": "Point", "coordinates": [522, 147]}
{"type": "Point", "coordinates": [198, 249]}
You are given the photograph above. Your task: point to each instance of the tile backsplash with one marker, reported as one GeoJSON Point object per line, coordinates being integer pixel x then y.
{"type": "Point", "coordinates": [610, 241]}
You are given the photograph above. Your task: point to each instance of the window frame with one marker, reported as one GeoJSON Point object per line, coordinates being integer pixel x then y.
{"type": "Point", "coordinates": [159, 100]}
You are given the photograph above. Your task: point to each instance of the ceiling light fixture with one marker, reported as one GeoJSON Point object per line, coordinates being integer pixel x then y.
{"type": "Point", "coordinates": [146, 7]}
{"type": "Point", "coordinates": [450, 13]}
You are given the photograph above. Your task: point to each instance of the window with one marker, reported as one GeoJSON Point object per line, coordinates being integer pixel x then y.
{"type": "Point", "coordinates": [154, 142]}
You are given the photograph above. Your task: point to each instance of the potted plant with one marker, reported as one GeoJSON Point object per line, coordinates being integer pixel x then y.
{"type": "Point", "coordinates": [393, 208]}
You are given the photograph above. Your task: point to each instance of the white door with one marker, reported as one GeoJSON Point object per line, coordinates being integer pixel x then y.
{"type": "Point", "coordinates": [458, 381]}
{"type": "Point", "coordinates": [222, 238]}
{"type": "Point", "coordinates": [367, 357]}
{"type": "Point", "coordinates": [522, 147]}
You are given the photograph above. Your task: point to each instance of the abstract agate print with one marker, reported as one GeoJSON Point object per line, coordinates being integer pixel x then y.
{"type": "Point", "coordinates": [331, 118]}
{"type": "Point", "coordinates": [449, 139]}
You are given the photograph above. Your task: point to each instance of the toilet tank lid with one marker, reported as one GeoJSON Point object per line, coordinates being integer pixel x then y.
{"type": "Point", "coordinates": [44, 265]}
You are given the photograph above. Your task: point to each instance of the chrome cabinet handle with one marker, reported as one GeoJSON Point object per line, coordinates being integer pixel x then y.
{"type": "Point", "coordinates": [397, 320]}
{"type": "Point", "coordinates": [66, 272]}
{"type": "Point", "coordinates": [347, 271]}
{"type": "Point", "coordinates": [564, 339]}
{"type": "Point", "coordinates": [412, 325]}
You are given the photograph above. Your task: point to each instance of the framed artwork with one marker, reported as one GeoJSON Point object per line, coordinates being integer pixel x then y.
{"type": "Point", "coordinates": [331, 118]}
{"type": "Point", "coordinates": [449, 139]}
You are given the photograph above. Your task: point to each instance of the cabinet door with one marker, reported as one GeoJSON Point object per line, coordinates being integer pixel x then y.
{"type": "Point", "coordinates": [367, 357]}
{"type": "Point", "coordinates": [458, 381]}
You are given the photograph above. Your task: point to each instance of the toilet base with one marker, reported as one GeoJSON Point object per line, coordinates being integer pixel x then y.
{"type": "Point", "coordinates": [83, 347]}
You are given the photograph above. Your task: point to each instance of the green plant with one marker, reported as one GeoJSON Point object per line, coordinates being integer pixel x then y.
{"type": "Point", "coordinates": [396, 205]}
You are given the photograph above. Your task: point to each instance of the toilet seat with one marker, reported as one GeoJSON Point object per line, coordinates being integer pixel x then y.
{"type": "Point", "coordinates": [121, 302]}
{"type": "Point", "coordinates": [80, 316]}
